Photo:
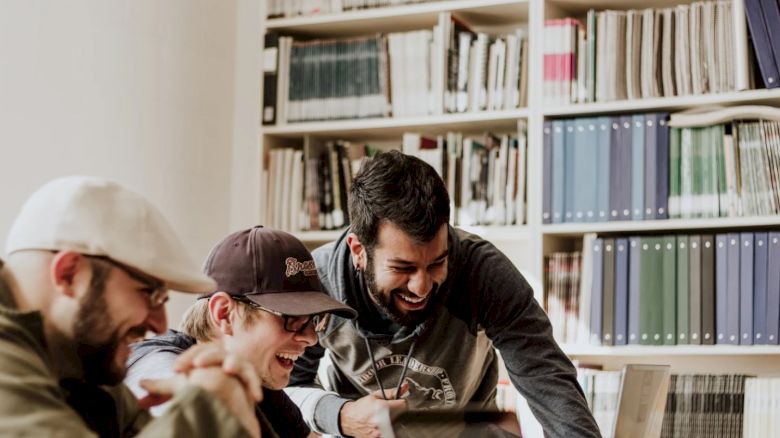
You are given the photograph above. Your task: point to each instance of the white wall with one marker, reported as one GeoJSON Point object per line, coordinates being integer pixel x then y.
{"type": "Point", "coordinates": [159, 95]}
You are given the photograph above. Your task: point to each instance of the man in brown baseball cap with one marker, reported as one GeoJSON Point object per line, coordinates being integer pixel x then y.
{"type": "Point", "coordinates": [268, 306]}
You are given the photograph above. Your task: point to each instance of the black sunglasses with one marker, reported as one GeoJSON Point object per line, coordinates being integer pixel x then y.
{"type": "Point", "coordinates": [294, 324]}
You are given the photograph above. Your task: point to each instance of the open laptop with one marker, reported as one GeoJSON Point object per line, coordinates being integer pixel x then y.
{"type": "Point", "coordinates": [641, 401]}
{"type": "Point", "coordinates": [460, 423]}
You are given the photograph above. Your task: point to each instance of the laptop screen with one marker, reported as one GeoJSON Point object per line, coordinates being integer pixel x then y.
{"type": "Point", "coordinates": [642, 400]}
{"type": "Point", "coordinates": [454, 423]}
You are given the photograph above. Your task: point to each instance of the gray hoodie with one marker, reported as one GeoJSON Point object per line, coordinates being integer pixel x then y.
{"type": "Point", "coordinates": [448, 360]}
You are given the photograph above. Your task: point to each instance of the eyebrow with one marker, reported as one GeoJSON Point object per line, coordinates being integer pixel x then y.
{"type": "Point", "coordinates": [441, 256]}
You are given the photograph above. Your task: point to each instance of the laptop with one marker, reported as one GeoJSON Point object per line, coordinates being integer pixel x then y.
{"type": "Point", "coordinates": [460, 423]}
{"type": "Point", "coordinates": [641, 401]}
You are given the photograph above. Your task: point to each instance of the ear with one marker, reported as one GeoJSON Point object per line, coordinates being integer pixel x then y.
{"type": "Point", "coordinates": [357, 250]}
{"type": "Point", "coordinates": [221, 308]}
{"type": "Point", "coordinates": [67, 269]}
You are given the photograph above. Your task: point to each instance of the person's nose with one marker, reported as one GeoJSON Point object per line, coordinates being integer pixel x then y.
{"type": "Point", "coordinates": [420, 283]}
{"type": "Point", "coordinates": [308, 335]}
{"type": "Point", "coordinates": [157, 321]}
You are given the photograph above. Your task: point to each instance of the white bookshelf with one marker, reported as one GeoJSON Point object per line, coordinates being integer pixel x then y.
{"type": "Point", "coordinates": [394, 127]}
{"type": "Point", "coordinates": [402, 17]}
{"type": "Point", "coordinates": [531, 242]}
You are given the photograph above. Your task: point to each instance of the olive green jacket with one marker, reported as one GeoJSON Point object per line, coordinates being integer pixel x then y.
{"type": "Point", "coordinates": [32, 402]}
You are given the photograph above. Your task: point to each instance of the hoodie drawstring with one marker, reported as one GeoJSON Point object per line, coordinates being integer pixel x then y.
{"type": "Point", "coordinates": [403, 371]}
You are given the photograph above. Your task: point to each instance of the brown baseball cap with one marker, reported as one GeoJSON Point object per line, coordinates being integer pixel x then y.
{"type": "Point", "coordinates": [273, 269]}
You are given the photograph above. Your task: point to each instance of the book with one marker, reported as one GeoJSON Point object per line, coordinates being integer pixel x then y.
{"type": "Point", "coordinates": [721, 273]}
{"type": "Point", "coordinates": [746, 286]}
{"type": "Point", "coordinates": [773, 289]}
{"type": "Point", "coordinates": [761, 44]}
{"type": "Point", "coordinates": [608, 293]}
{"type": "Point", "coordinates": [683, 297]}
{"type": "Point", "coordinates": [634, 269]}
{"type": "Point", "coordinates": [669, 289]}
{"type": "Point", "coordinates": [708, 294]}
{"type": "Point", "coordinates": [596, 291]}
{"type": "Point", "coordinates": [694, 288]}
{"type": "Point", "coordinates": [760, 268]}
{"type": "Point", "coordinates": [270, 70]}
{"type": "Point", "coordinates": [621, 291]}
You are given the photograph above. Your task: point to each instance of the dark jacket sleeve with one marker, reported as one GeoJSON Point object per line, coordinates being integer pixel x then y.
{"type": "Point", "coordinates": [504, 305]}
{"type": "Point", "coordinates": [283, 414]}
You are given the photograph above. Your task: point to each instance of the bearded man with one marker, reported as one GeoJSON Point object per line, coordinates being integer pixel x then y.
{"type": "Point", "coordinates": [433, 301]}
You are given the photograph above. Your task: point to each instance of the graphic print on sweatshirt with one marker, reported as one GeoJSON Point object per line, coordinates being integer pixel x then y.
{"type": "Point", "coordinates": [429, 386]}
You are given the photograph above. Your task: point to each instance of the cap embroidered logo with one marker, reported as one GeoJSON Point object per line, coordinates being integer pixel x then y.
{"type": "Point", "coordinates": [294, 267]}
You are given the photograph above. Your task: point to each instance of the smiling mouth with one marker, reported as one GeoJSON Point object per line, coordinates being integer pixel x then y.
{"type": "Point", "coordinates": [286, 359]}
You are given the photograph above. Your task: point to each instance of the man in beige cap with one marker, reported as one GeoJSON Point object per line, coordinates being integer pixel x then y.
{"type": "Point", "coordinates": [89, 264]}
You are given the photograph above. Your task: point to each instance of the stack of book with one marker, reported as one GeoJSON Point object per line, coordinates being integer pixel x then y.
{"type": "Point", "coordinates": [674, 51]}
{"type": "Point", "coordinates": [449, 69]}
{"type": "Point", "coordinates": [601, 390]}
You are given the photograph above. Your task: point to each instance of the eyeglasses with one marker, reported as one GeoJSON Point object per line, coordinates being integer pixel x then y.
{"type": "Point", "coordinates": [155, 290]}
{"type": "Point", "coordinates": [294, 324]}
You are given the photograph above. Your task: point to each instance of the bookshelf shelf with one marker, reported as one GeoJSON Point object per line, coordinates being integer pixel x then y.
{"type": "Point", "coordinates": [763, 97]}
{"type": "Point", "coordinates": [575, 229]}
{"type": "Point", "coordinates": [671, 350]}
{"type": "Point", "coordinates": [394, 127]}
{"type": "Point", "coordinates": [400, 18]}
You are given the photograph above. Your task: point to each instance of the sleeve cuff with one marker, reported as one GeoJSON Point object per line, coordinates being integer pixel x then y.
{"type": "Point", "coordinates": [326, 414]}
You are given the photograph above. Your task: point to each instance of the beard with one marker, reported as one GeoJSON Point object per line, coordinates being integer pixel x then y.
{"type": "Point", "coordinates": [385, 302]}
{"type": "Point", "coordinates": [98, 359]}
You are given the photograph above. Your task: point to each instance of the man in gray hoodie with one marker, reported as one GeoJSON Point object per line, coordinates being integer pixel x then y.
{"type": "Point", "coordinates": [432, 302]}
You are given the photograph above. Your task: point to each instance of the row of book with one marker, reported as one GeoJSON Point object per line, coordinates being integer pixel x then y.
{"type": "Point", "coordinates": [308, 187]}
{"type": "Point", "coordinates": [637, 167]}
{"type": "Point", "coordinates": [485, 178]}
{"type": "Point", "coordinates": [701, 405]}
{"type": "Point", "coordinates": [673, 51]}
{"type": "Point", "coordinates": [725, 170]}
{"type": "Point", "coordinates": [606, 168]}
{"type": "Point", "coordinates": [667, 290]}
{"type": "Point", "coordinates": [294, 8]}
{"type": "Point", "coordinates": [485, 175]}
{"type": "Point", "coordinates": [450, 68]}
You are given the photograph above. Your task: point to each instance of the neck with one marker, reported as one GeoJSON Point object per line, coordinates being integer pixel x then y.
{"type": "Point", "coordinates": [27, 296]}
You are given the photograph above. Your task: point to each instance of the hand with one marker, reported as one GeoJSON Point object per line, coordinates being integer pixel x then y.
{"type": "Point", "coordinates": [214, 354]}
{"type": "Point", "coordinates": [227, 377]}
{"type": "Point", "coordinates": [360, 418]}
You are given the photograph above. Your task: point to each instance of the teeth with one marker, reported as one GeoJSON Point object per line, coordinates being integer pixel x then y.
{"type": "Point", "coordinates": [412, 300]}
{"type": "Point", "coordinates": [292, 357]}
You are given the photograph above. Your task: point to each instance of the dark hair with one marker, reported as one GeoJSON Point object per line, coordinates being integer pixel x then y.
{"type": "Point", "coordinates": [400, 189]}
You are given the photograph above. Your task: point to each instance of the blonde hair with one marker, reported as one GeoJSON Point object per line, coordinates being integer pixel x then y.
{"type": "Point", "coordinates": [197, 323]}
